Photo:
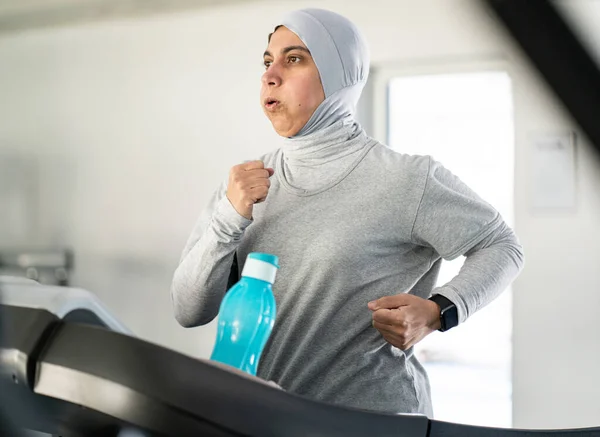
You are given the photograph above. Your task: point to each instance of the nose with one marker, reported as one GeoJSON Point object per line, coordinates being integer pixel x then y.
{"type": "Point", "coordinates": [272, 76]}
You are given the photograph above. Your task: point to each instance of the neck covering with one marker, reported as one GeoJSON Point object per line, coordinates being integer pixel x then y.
{"type": "Point", "coordinates": [331, 141]}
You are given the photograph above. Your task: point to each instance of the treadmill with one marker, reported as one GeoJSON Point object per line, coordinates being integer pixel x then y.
{"type": "Point", "coordinates": [69, 368]}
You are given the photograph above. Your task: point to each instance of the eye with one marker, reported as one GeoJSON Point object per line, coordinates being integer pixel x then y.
{"type": "Point", "coordinates": [294, 59]}
{"type": "Point", "coordinates": [267, 64]}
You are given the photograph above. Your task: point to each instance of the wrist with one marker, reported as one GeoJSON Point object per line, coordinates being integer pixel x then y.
{"type": "Point", "coordinates": [435, 322]}
{"type": "Point", "coordinates": [242, 210]}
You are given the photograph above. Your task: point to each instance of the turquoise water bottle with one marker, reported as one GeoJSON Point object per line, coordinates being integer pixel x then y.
{"type": "Point", "coordinates": [247, 315]}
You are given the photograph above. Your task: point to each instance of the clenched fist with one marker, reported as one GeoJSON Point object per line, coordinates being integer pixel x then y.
{"type": "Point", "coordinates": [404, 320]}
{"type": "Point", "coordinates": [248, 184]}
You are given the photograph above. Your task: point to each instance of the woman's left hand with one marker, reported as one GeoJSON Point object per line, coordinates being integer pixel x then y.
{"type": "Point", "coordinates": [404, 319]}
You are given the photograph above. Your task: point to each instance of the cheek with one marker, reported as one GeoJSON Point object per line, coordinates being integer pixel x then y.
{"type": "Point", "coordinates": [309, 95]}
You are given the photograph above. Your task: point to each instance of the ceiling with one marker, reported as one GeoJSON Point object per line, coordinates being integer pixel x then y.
{"type": "Point", "coordinates": [16, 15]}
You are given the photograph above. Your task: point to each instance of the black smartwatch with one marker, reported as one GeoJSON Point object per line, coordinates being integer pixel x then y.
{"type": "Point", "coordinates": [448, 312]}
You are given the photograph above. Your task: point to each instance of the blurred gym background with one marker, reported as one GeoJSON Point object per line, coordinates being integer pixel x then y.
{"type": "Point", "coordinates": [120, 118]}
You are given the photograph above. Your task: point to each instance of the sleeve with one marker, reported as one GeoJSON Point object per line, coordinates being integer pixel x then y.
{"type": "Point", "coordinates": [455, 221]}
{"type": "Point", "coordinates": [450, 217]}
{"type": "Point", "coordinates": [201, 278]}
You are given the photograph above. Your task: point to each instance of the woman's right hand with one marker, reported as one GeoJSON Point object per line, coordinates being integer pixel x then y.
{"type": "Point", "coordinates": [248, 184]}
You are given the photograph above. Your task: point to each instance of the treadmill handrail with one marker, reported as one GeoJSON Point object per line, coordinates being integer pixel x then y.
{"type": "Point", "coordinates": [60, 301]}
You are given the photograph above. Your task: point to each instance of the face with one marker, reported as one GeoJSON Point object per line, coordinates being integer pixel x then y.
{"type": "Point", "coordinates": [291, 87]}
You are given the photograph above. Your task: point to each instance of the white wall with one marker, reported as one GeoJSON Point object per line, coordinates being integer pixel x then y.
{"type": "Point", "coordinates": [128, 126]}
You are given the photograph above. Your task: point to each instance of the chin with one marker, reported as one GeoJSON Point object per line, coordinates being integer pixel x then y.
{"type": "Point", "coordinates": [286, 134]}
{"type": "Point", "coordinates": [284, 125]}
{"type": "Point", "coordinates": [285, 131]}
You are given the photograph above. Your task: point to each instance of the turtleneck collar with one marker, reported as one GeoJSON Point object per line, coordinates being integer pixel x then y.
{"type": "Point", "coordinates": [342, 138]}
{"type": "Point", "coordinates": [314, 163]}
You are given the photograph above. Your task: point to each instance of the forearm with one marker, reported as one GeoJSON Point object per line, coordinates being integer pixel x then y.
{"type": "Point", "coordinates": [200, 280]}
{"type": "Point", "coordinates": [488, 270]}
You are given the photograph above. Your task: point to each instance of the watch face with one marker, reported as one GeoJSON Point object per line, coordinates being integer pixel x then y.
{"type": "Point", "coordinates": [442, 323]}
{"type": "Point", "coordinates": [449, 318]}
{"type": "Point", "coordinates": [448, 312]}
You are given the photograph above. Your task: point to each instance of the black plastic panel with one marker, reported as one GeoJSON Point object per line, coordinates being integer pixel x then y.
{"type": "Point", "coordinates": [159, 386]}
{"type": "Point", "coordinates": [90, 381]}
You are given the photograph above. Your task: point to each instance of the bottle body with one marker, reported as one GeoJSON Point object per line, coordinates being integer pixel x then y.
{"type": "Point", "coordinates": [246, 319]}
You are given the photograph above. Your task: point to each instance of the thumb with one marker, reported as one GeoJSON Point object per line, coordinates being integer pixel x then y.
{"type": "Point", "coordinates": [271, 171]}
{"type": "Point", "coordinates": [390, 302]}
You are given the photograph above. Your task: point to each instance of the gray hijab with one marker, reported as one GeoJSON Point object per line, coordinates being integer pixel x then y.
{"type": "Point", "coordinates": [342, 58]}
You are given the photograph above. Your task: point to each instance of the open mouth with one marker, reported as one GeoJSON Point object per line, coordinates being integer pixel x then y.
{"type": "Point", "coordinates": [271, 103]}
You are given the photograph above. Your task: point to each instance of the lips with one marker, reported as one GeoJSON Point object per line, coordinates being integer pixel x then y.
{"type": "Point", "coordinates": [271, 103]}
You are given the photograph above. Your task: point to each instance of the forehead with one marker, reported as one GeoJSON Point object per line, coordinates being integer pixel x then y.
{"type": "Point", "coordinates": [283, 37]}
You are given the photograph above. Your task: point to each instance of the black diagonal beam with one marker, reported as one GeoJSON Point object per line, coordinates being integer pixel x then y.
{"type": "Point", "coordinates": [558, 55]}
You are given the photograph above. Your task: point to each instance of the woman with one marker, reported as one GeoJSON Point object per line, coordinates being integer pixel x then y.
{"type": "Point", "coordinates": [360, 231]}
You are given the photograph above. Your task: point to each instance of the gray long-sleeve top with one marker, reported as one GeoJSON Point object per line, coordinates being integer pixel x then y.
{"type": "Point", "coordinates": [378, 226]}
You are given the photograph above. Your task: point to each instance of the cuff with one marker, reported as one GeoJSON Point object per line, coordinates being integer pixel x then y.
{"type": "Point", "coordinates": [227, 222]}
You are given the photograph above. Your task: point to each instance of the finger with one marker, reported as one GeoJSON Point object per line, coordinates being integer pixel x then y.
{"type": "Point", "coordinates": [383, 328]}
{"type": "Point", "coordinates": [395, 317]}
{"type": "Point", "coordinates": [256, 182]}
{"type": "Point", "coordinates": [252, 165]}
{"type": "Point", "coordinates": [393, 337]}
{"type": "Point", "coordinates": [257, 173]}
{"type": "Point", "coordinates": [259, 194]}
{"type": "Point", "coordinates": [261, 199]}
{"type": "Point", "coordinates": [271, 171]}
{"type": "Point", "coordinates": [395, 301]}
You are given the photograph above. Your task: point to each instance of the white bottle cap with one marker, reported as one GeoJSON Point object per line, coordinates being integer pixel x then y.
{"type": "Point", "coordinates": [257, 269]}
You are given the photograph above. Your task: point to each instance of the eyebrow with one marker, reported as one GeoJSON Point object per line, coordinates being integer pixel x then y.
{"type": "Point", "coordinates": [287, 50]}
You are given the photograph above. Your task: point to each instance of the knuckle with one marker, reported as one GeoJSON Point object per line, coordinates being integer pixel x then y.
{"type": "Point", "coordinates": [255, 164]}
